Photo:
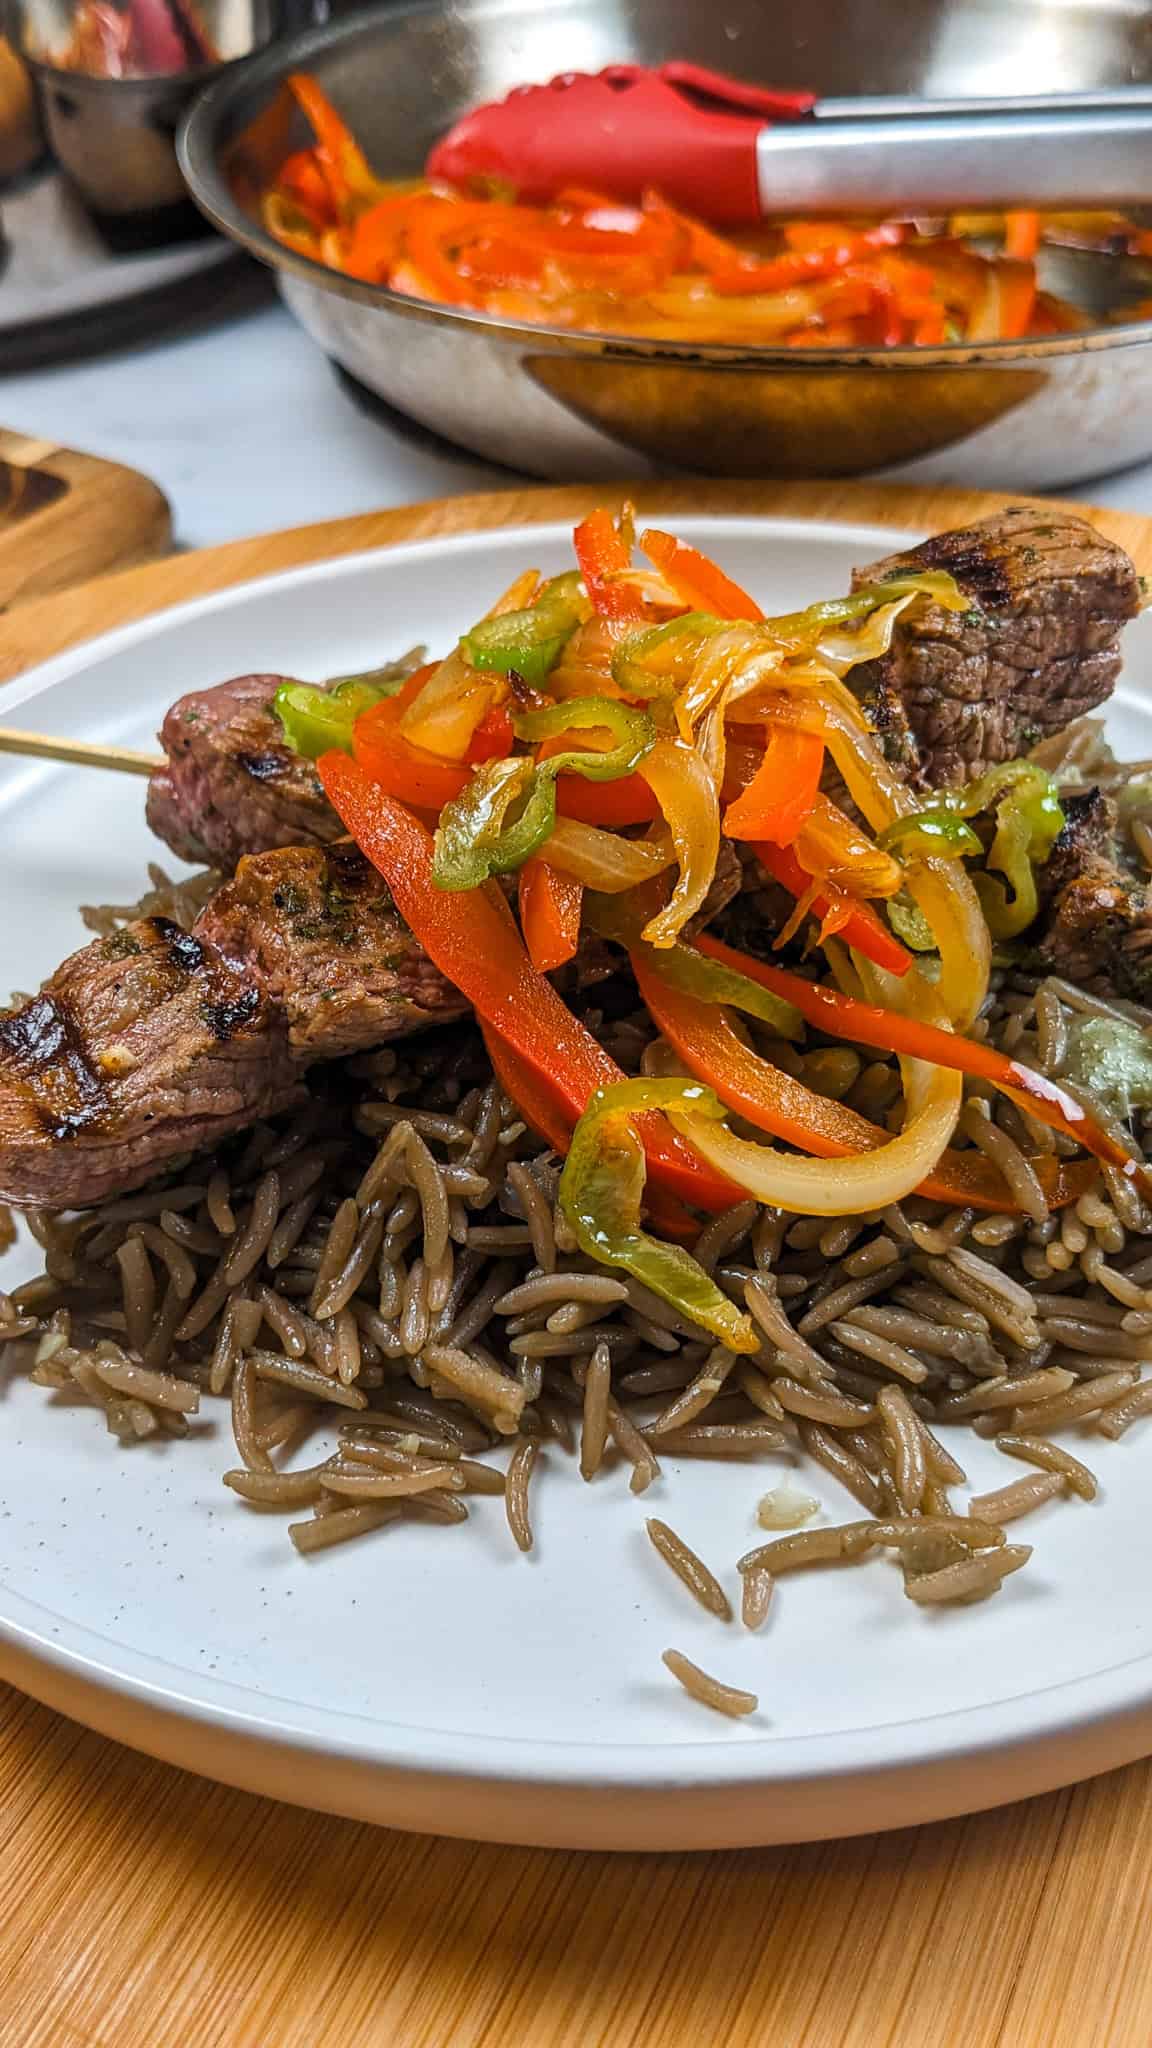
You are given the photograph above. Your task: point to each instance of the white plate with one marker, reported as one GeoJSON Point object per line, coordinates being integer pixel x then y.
{"type": "Point", "coordinates": [436, 1679]}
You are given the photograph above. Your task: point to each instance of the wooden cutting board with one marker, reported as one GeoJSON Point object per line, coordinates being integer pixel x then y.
{"type": "Point", "coordinates": [66, 516]}
{"type": "Point", "coordinates": [145, 1908]}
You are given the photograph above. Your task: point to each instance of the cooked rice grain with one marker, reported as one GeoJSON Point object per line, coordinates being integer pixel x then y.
{"type": "Point", "coordinates": [689, 1568]}
{"type": "Point", "coordinates": [711, 1692]}
{"type": "Point", "coordinates": [520, 1469]}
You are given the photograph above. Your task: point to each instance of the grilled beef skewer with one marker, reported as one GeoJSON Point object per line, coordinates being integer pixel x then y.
{"type": "Point", "coordinates": [157, 1041]}
{"type": "Point", "coordinates": [1040, 647]}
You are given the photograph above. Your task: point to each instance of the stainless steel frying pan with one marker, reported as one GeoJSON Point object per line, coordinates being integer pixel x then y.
{"type": "Point", "coordinates": [1020, 415]}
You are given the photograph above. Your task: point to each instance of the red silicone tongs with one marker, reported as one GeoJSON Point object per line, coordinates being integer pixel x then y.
{"type": "Point", "coordinates": [732, 152]}
{"type": "Point", "coordinates": [689, 133]}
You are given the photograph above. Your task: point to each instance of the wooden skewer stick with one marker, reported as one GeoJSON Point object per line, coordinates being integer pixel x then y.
{"type": "Point", "coordinates": [45, 746]}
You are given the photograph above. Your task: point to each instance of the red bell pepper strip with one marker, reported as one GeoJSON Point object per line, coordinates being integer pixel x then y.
{"type": "Point", "coordinates": [428, 782]}
{"type": "Point", "coordinates": [410, 689]}
{"type": "Point", "coordinates": [435, 227]}
{"type": "Point", "coordinates": [697, 581]}
{"type": "Point", "coordinates": [521, 1084]}
{"type": "Point", "coordinates": [854, 920]}
{"type": "Point", "coordinates": [772, 1100]}
{"type": "Point", "coordinates": [549, 914]}
{"type": "Point", "coordinates": [867, 1024]}
{"type": "Point", "coordinates": [376, 239]}
{"type": "Point", "coordinates": [493, 737]}
{"type": "Point", "coordinates": [628, 801]}
{"type": "Point", "coordinates": [783, 790]}
{"type": "Point", "coordinates": [602, 553]}
{"type": "Point", "coordinates": [471, 938]}
{"type": "Point", "coordinates": [614, 804]}
{"type": "Point", "coordinates": [833, 250]}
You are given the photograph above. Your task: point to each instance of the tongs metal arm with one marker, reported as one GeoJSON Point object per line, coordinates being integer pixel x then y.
{"type": "Point", "coordinates": [1088, 151]}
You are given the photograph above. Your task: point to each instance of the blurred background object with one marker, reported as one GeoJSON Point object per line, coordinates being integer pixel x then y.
{"type": "Point", "coordinates": [101, 242]}
{"type": "Point", "coordinates": [115, 77]}
{"type": "Point", "coordinates": [21, 137]}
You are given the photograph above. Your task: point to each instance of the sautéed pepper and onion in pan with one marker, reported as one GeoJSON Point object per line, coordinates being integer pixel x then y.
{"type": "Point", "coordinates": [589, 263]}
{"type": "Point", "coordinates": [687, 1031]}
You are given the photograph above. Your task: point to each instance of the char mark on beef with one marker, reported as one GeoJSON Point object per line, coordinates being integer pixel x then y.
{"type": "Point", "coordinates": [318, 927]}
{"type": "Point", "coordinates": [1038, 648]}
{"type": "Point", "coordinates": [139, 1048]}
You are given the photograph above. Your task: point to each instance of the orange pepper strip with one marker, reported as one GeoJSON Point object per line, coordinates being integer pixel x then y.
{"type": "Point", "coordinates": [1021, 236]}
{"type": "Point", "coordinates": [696, 580]}
{"type": "Point", "coordinates": [302, 180]}
{"type": "Point", "coordinates": [783, 790]}
{"type": "Point", "coordinates": [860, 925]}
{"type": "Point", "coordinates": [345, 167]}
{"type": "Point", "coordinates": [765, 1096]}
{"type": "Point", "coordinates": [471, 937]}
{"type": "Point", "coordinates": [549, 914]}
{"type": "Point", "coordinates": [867, 1024]}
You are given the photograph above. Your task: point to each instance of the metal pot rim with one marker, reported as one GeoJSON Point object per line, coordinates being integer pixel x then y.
{"type": "Point", "coordinates": [197, 150]}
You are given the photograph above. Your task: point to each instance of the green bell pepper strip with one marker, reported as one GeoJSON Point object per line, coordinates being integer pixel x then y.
{"type": "Point", "coordinates": [841, 611]}
{"type": "Point", "coordinates": [386, 681]}
{"type": "Point", "coordinates": [632, 731]}
{"type": "Point", "coordinates": [930, 832]}
{"type": "Point", "coordinates": [1012, 852]}
{"type": "Point", "coordinates": [620, 919]}
{"type": "Point", "coordinates": [529, 642]}
{"type": "Point", "coordinates": [473, 841]}
{"type": "Point", "coordinates": [910, 924]}
{"type": "Point", "coordinates": [317, 718]}
{"type": "Point", "coordinates": [1031, 791]}
{"type": "Point", "coordinates": [600, 1195]}
{"type": "Point", "coordinates": [1028, 822]}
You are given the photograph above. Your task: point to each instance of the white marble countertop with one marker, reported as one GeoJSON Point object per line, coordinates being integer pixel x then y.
{"type": "Point", "coordinates": [246, 427]}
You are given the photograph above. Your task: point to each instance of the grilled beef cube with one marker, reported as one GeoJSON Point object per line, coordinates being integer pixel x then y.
{"type": "Point", "coordinates": [1095, 922]}
{"type": "Point", "coordinates": [1085, 848]}
{"type": "Point", "coordinates": [231, 785]}
{"type": "Point", "coordinates": [139, 1048]}
{"type": "Point", "coordinates": [1039, 647]}
{"type": "Point", "coordinates": [318, 928]}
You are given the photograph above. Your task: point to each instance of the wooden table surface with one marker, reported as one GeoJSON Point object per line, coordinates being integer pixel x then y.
{"type": "Point", "coordinates": [144, 1907]}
